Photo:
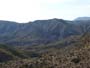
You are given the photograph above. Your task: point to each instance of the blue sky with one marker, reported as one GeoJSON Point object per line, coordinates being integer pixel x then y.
{"type": "Point", "coordinates": [29, 10]}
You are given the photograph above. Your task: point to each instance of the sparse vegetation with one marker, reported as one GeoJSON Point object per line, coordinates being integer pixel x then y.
{"type": "Point", "coordinates": [77, 55]}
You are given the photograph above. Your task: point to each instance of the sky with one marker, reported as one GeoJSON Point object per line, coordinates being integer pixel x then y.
{"type": "Point", "coordinates": [30, 10]}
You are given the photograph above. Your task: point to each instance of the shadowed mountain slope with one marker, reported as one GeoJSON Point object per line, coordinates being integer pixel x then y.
{"type": "Point", "coordinates": [40, 31]}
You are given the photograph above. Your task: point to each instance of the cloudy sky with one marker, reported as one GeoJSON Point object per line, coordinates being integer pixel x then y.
{"type": "Point", "coordinates": [29, 10]}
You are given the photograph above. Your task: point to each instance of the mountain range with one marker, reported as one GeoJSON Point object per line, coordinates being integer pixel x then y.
{"type": "Point", "coordinates": [41, 31]}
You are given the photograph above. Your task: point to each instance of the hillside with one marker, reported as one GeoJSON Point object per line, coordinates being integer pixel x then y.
{"type": "Point", "coordinates": [8, 53]}
{"type": "Point", "coordinates": [40, 31]}
{"type": "Point", "coordinates": [76, 55]}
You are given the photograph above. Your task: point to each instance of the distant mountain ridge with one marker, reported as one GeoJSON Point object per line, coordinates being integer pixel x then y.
{"type": "Point", "coordinates": [40, 31]}
{"type": "Point", "coordinates": [82, 19]}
